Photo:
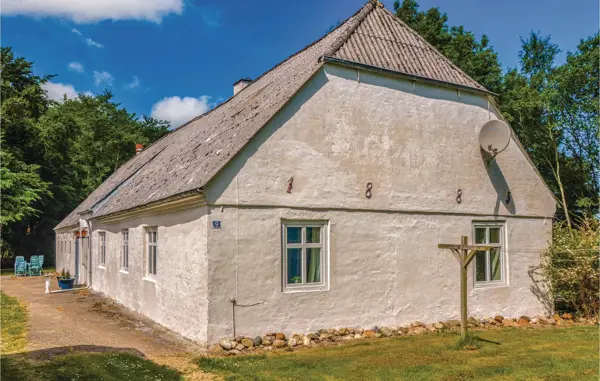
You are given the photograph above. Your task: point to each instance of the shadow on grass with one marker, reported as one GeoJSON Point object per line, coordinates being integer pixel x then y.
{"type": "Point", "coordinates": [472, 342]}
{"type": "Point", "coordinates": [488, 341]}
{"type": "Point", "coordinates": [83, 362]}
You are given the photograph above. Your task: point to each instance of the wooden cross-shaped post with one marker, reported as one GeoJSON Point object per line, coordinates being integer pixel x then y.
{"type": "Point", "coordinates": [464, 254]}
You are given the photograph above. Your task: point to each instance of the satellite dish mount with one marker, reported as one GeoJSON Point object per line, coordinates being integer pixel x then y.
{"type": "Point", "coordinates": [494, 137]}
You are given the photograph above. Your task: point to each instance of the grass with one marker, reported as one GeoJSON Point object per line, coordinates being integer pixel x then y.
{"type": "Point", "coordinates": [11, 271]}
{"type": "Point", "coordinates": [504, 354]}
{"type": "Point", "coordinates": [106, 366]}
{"type": "Point", "coordinates": [13, 320]}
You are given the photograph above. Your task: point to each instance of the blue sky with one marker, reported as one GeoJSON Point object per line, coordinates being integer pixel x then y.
{"type": "Point", "coordinates": [176, 58]}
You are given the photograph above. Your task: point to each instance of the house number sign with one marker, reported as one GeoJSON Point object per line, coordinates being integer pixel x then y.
{"type": "Point", "coordinates": [216, 224]}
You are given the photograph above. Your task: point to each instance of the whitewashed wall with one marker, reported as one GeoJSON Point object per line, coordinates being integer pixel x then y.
{"type": "Point", "coordinates": [177, 297]}
{"type": "Point", "coordinates": [418, 145]}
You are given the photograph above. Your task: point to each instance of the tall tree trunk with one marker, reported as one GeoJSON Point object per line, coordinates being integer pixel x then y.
{"type": "Point", "coordinates": [562, 191]}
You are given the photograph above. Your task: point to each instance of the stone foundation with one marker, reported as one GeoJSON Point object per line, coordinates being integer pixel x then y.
{"type": "Point", "coordinates": [279, 341]}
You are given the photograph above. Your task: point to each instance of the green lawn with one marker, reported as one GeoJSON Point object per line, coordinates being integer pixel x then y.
{"type": "Point", "coordinates": [507, 354]}
{"type": "Point", "coordinates": [13, 319]}
{"type": "Point", "coordinates": [106, 366]}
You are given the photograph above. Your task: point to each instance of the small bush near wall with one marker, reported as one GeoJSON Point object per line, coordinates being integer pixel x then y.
{"type": "Point", "coordinates": [571, 267]}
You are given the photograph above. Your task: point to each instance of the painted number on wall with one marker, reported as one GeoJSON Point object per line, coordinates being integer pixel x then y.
{"type": "Point", "coordinates": [216, 224]}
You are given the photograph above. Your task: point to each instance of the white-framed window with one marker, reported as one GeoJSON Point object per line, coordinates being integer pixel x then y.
{"type": "Point", "coordinates": [305, 255]}
{"type": "Point", "coordinates": [125, 249]}
{"type": "Point", "coordinates": [102, 248]}
{"type": "Point", "coordinates": [152, 250]}
{"type": "Point", "coordinates": [489, 266]}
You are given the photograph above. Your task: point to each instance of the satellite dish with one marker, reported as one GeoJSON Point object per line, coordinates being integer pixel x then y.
{"type": "Point", "coordinates": [494, 137]}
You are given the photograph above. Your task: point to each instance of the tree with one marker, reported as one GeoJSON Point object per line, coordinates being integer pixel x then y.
{"type": "Point", "coordinates": [475, 57]}
{"type": "Point", "coordinates": [554, 111]}
{"type": "Point", "coordinates": [55, 153]}
{"type": "Point", "coordinates": [576, 108]}
{"type": "Point", "coordinates": [21, 186]}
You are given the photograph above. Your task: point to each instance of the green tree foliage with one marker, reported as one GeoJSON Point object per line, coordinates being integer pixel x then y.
{"type": "Point", "coordinates": [554, 111]}
{"type": "Point", "coordinates": [475, 57]}
{"type": "Point", "coordinates": [21, 187]}
{"type": "Point", "coordinates": [55, 153]}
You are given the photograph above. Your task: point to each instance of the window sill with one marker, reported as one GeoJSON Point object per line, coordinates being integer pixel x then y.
{"type": "Point", "coordinates": [296, 290]}
{"type": "Point", "coordinates": [150, 279]}
{"type": "Point", "coordinates": [102, 267]}
{"type": "Point", "coordinates": [485, 286]}
{"type": "Point", "coordinates": [123, 271]}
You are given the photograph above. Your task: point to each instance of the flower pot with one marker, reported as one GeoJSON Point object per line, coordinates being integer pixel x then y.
{"type": "Point", "coordinates": [65, 284]}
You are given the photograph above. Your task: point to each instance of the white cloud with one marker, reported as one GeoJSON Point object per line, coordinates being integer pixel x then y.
{"type": "Point", "coordinates": [103, 78]}
{"type": "Point", "coordinates": [87, 40]}
{"type": "Point", "coordinates": [76, 66]}
{"type": "Point", "coordinates": [91, 42]}
{"type": "Point", "coordinates": [88, 11]}
{"type": "Point", "coordinates": [57, 91]}
{"type": "Point", "coordinates": [178, 110]}
{"type": "Point", "coordinates": [134, 84]}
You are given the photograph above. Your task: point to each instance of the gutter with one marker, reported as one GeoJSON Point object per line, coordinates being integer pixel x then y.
{"type": "Point", "coordinates": [140, 208]}
{"type": "Point", "coordinates": [380, 70]}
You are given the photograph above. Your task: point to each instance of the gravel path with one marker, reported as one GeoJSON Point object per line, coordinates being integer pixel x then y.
{"type": "Point", "coordinates": [86, 321]}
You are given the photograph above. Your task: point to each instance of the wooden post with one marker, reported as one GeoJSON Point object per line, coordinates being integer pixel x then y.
{"type": "Point", "coordinates": [464, 254]}
{"type": "Point", "coordinates": [463, 290]}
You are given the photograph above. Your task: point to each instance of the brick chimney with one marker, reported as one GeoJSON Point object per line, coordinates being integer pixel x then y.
{"type": "Point", "coordinates": [240, 85]}
{"type": "Point", "coordinates": [138, 148]}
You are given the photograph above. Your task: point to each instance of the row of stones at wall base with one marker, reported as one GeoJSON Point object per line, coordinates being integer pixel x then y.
{"type": "Point", "coordinates": [279, 341]}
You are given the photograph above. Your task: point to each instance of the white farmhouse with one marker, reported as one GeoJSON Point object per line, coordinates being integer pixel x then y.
{"type": "Point", "coordinates": [316, 196]}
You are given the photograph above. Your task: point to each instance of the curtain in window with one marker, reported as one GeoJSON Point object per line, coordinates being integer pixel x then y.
{"type": "Point", "coordinates": [313, 256]}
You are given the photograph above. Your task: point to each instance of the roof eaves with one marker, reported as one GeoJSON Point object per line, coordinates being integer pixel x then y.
{"type": "Point", "coordinates": [358, 65]}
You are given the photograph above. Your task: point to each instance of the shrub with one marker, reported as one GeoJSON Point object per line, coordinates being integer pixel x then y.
{"type": "Point", "coordinates": [571, 266]}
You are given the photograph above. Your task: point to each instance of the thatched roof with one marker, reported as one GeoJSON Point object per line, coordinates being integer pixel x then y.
{"type": "Point", "coordinates": [187, 158]}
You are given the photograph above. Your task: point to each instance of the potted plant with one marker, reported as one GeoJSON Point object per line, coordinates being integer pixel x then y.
{"type": "Point", "coordinates": [65, 282]}
{"type": "Point", "coordinates": [296, 279]}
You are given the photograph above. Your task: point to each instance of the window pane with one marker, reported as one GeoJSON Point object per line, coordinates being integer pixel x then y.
{"type": "Point", "coordinates": [495, 264]}
{"type": "Point", "coordinates": [294, 266]}
{"type": "Point", "coordinates": [494, 235]}
{"type": "Point", "coordinates": [480, 235]}
{"type": "Point", "coordinates": [153, 260]}
{"type": "Point", "coordinates": [480, 266]}
{"type": "Point", "coordinates": [294, 235]}
{"type": "Point", "coordinates": [313, 235]}
{"type": "Point", "coordinates": [313, 265]}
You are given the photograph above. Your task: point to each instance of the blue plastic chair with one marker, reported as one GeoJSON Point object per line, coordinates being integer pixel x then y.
{"type": "Point", "coordinates": [21, 268]}
{"type": "Point", "coordinates": [41, 262]}
{"type": "Point", "coordinates": [18, 260]}
{"type": "Point", "coordinates": [34, 266]}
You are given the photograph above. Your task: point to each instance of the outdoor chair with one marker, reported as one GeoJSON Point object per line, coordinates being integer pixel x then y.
{"type": "Point", "coordinates": [34, 266]}
{"type": "Point", "coordinates": [21, 268]}
{"type": "Point", "coordinates": [18, 259]}
{"type": "Point", "coordinates": [41, 262]}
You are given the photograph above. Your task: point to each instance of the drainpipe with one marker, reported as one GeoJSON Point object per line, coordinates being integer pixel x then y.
{"type": "Point", "coordinates": [89, 224]}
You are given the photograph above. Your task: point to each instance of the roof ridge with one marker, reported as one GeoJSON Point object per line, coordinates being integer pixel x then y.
{"type": "Point", "coordinates": [414, 32]}
{"type": "Point", "coordinates": [357, 19]}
